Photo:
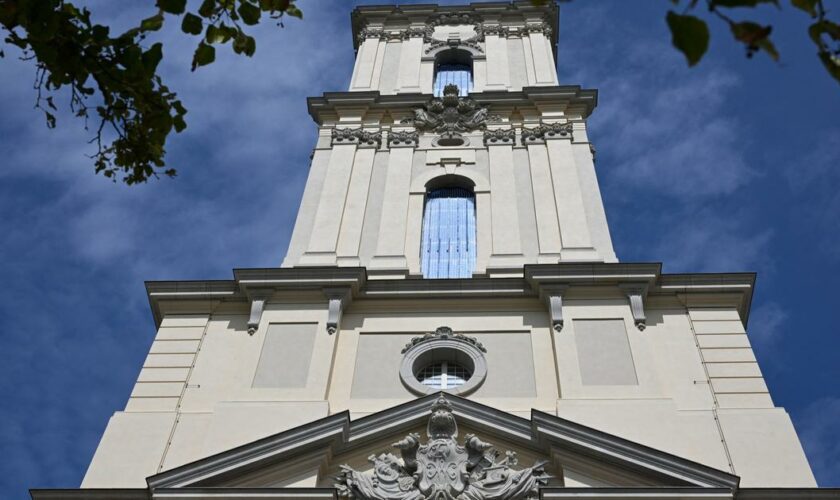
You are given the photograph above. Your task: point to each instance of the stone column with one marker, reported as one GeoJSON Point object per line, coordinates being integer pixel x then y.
{"type": "Point", "coordinates": [368, 64]}
{"type": "Point", "coordinates": [548, 228]}
{"type": "Point", "coordinates": [411, 51]}
{"type": "Point", "coordinates": [507, 241]}
{"type": "Point", "coordinates": [354, 208]}
{"type": "Point", "coordinates": [390, 249]}
{"type": "Point", "coordinates": [498, 71]}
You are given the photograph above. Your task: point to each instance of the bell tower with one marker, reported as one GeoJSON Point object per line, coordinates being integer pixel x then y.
{"type": "Point", "coordinates": [460, 100]}
{"type": "Point", "coordinates": [451, 266]}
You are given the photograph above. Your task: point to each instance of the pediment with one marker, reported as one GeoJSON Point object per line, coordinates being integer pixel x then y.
{"type": "Point", "coordinates": [548, 453]}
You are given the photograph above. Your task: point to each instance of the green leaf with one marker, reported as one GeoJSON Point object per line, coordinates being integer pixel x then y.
{"type": "Point", "coordinates": [207, 8]}
{"type": "Point", "coordinates": [250, 13]}
{"type": "Point", "coordinates": [244, 44]}
{"type": "Point", "coordinates": [204, 55]}
{"type": "Point", "coordinates": [219, 34]}
{"type": "Point", "coordinates": [755, 37]}
{"type": "Point", "coordinates": [153, 23]}
{"type": "Point", "coordinates": [172, 6]}
{"type": "Point", "coordinates": [152, 57]}
{"type": "Point", "coordinates": [192, 24]}
{"type": "Point", "coordinates": [832, 64]}
{"type": "Point", "coordinates": [690, 35]}
{"type": "Point", "coordinates": [293, 11]}
{"type": "Point", "coordinates": [809, 6]}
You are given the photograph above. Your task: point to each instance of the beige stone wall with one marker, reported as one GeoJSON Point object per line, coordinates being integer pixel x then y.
{"type": "Point", "coordinates": [657, 387]}
{"type": "Point", "coordinates": [393, 65]}
{"type": "Point", "coordinates": [534, 204]}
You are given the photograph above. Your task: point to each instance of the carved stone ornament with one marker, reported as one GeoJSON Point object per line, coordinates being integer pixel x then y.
{"type": "Point", "coordinates": [452, 19]}
{"type": "Point", "coordinates": [543, 27]}
{"type": "Point", "coordinates": [450, 115]}
{"type": "Point", "coordinates": [358, 136]}
{"type": "Point", "coordinates": [499, 137]}
{"type": "Point", "coordinates": [405, 138]}
{"type": "Point", "coordinates": [443, 333]}
{"type": "Point", "coordinates": [540, 133]}
{"type": "Point", "coordinates": [442, 469]}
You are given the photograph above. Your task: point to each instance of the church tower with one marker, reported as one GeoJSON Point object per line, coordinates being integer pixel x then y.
{"type": "Point", "coordinates": [450, 319]}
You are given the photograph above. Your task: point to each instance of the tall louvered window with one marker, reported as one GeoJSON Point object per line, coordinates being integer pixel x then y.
{"type": "Point", "coordinates": [448, 244]}
{"type": "Point", "coordinates": [456, 73]}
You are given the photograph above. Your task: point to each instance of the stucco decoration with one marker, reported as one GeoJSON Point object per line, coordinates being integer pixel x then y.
{"type": "Point", "coordinates": [443, 345]}
{"type": "Point", "coordinates": [507, 31]}
{"type": "Point", "coordinates": [361, 137]}
{"type": "Point", "coordinates": [539, 134]}
{"type": "Point", "coordinates": [454, 19]}
{"type": "Point", "coordinates": [404, 138]}
{"type": "Point", "coordinates": [444, 333]}
{"type": "Point", "coordinates": [499, 137]}
{"type": "Point", "coordinates": [442, 469]}
{"type": "Point", "coordinates": [450, 115]}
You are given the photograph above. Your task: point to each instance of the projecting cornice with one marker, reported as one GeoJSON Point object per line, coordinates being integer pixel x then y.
{"type": "Point", "coordinates": [497, 18]}
{"type": "Point", "coordinates": [571, 100]}
{"type": "Point", "coordinates": [338, 286]}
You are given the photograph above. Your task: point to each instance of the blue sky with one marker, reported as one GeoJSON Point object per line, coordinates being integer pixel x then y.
{"type": "Point", "coordinates": [730, 166]}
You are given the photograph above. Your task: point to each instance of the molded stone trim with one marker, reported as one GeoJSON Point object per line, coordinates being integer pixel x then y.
{"type": "Point", "coordinates": [258, 301]}
{"type": "Point", "coordinates": [403, 139]}
{"type": "Point", "coordinates": [441, 341]}
{"type": "Point", "coordinates": [337, 301]}
{"type": "Point", "coordinates": [541, 133]}
{"type": "Point", "coordinates": [635, 294]}
{"type": "Point", "coordinates": [554, 298]}
{"type": "Point", "coordinates": [499, 137]}
{"type": "Point", "coordinates": [543, 432]}
{"type": "Point", "coordinates": [358, 136]}
{"type": "Point", "coordinates": [707, 290]}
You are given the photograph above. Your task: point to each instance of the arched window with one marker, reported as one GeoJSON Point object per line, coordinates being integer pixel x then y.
{"type": "Point", "coordinates": [453, 66]}
{"type": "Point", "coordinates": [448, 242]}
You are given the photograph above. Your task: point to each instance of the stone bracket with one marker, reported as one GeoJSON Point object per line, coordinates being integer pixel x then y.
{"type": "Point", "coordinates": [337, 300]}
{"type": "Point", "coordinates": [257, 305]}
{"type": "Point", "coordinates": [636, 294]}
{"type": "Point", "coordinates": [554, 299]}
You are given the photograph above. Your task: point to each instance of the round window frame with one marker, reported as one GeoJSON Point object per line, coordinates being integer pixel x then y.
{"type": "Point", "coordinates": [449, 349]}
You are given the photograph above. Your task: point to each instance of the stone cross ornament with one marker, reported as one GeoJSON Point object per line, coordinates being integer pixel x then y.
{"type": "Point", "coordinates": [441, 469]}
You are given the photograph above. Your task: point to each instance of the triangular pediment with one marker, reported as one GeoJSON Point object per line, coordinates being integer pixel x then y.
{"type": "Point", "coordinates": [566, 454]}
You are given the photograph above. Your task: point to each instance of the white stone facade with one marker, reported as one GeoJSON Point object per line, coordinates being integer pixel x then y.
{"type": "Point", "coordinates": [660, 360]}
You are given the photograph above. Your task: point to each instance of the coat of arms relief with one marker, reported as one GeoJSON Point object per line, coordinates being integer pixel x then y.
{"type": "Point", "coordinates": [442, 469]}
{"type": "Point", "coordinates": [451, 115]}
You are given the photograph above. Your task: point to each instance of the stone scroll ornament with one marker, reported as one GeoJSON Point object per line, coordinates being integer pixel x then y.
{"type": "Point", "coordinates": [450, 115]}
{"type": "Point", "coordinates": [442, 469]}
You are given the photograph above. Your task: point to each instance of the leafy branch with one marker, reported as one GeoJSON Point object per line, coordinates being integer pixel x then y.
{"type": "Point", "coordinates": [135, 111]}
{"type": "Point", "coordinates": [690, 34]}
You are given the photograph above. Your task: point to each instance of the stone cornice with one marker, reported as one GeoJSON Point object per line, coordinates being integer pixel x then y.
{"type": "Point", "coordinates": [571, 99]}
{"type": "Point", "coordinates": [316, 283]}
{"type": "Point", "coordinates": [542, 433]}
{"type": "Point", "coordinates": [546, 493]}
{"type": "Point", "coordinates": [515, 18]}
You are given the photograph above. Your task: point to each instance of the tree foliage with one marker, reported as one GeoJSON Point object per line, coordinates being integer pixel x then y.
{"type": "Point", "coordinates": [114, 78]}
{"type": "Point", "coordinates": [690, 34]}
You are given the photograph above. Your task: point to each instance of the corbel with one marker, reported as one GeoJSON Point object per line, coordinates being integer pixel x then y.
{"type": "Point", "coordinates": [554, 299]}
{"type": "Point", "coordinates": [636, 293]}
{"type": "Point", "coordinates": [258, 301]}
{"type": "Point", "coordinates": [337, 300]}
